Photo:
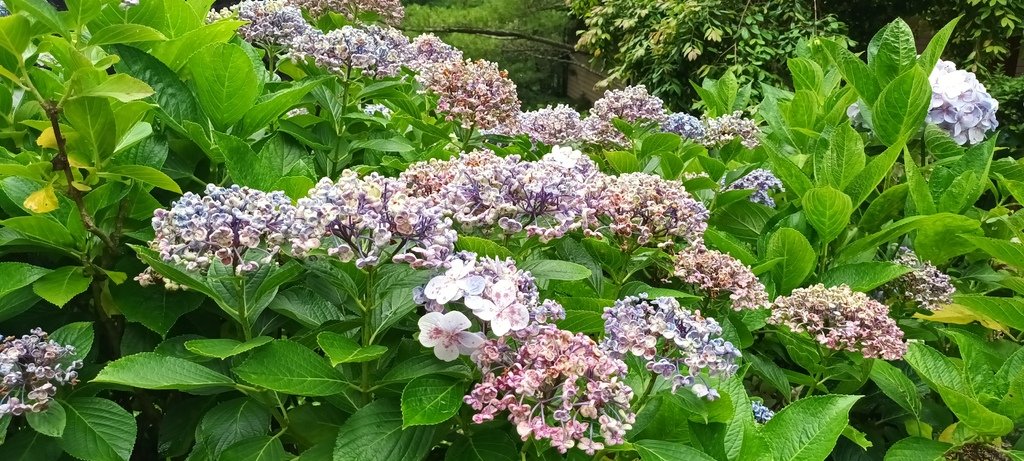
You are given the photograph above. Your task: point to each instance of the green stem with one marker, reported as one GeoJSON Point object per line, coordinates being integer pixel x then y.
{"type": "Point", "coordinates": [367, 372]}
{"type": "Point", "coordinates": [467, 137]}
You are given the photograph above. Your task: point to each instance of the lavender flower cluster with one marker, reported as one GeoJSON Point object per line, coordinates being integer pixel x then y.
{"type": "Point", "coordinates": [223, 225]}
{"type": "Point", "coordinates": [476, 93]}
{"type": "Point", "coordinates": [677, 344]}
{"type": "Point", "coordinates": [390, 11]}
{"type": "Point", "coordinates": [960, 104]}
{"type": "Point", "coordinates": [631, 104]}
{"type": "Point", "coordinates": [762, 414]}
{"type": "Point", "coordinates": [925, 285]}
{"type": "Point", "coordinates": [32, 368]}
{"type": "Point", "coordinates": [645, 207]}
{"type": "Point", "coordinates": [269, 22]}
{"type": "Point", "coordinates": [557, 386]}
{"type": "Point", "coordinates": [553, 126]}
{"type": "Point", "coordinates": [762, 182]}
{"type": "Point", "coordinates": [684, 125]}
{"type": "Point", "coordinates": [364, 218]}
{"type": "Point", "coordinates": [427, 50]}
{"type": "Point", "coordinates": [717, 272]}
{"type": "Point", "coordinates": [377, 51]}
{"type": "Point", "coordinates": [841, 319]}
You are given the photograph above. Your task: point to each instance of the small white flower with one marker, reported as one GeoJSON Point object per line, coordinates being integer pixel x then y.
{"type": "Point", "coordinates": [455, 283]}
{"type": "Point", "coordinates": [565, 156]}
{"type": "Point", "coordinates": [445, 333]}
{"type": "Point", "coordinates": [501, 308]}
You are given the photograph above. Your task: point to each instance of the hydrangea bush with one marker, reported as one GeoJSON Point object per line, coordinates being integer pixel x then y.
{"type": "Point", "coordinates": [286, 230]}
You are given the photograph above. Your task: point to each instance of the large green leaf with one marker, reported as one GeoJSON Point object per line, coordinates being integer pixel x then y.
{"type": "Point", "coordinates": [271, 106]}
{"type": "Point", "coordinates": [157, 310]}
{"type": "Point", "coordinates": [854, 71]}
{"type": "Point", "coordinates": [551, 269]}
{"type": "Point", "coordinates": [931, 54]}
{"type": "Point", "coordinates": [892, 51]}
{"type": "Point", "coordinates": [863, 277]}
{"type": "Point", "coordinates": [223, 348]}
{"type": "Point", "coordinates": [287, 366]}
{"type": "Point", "coordinates": [917, 449]}
{"type": "Point", "coordinates": [658, 450]}
{"type": "Point", "coordinates": [60, 285]}
{"type": "Point", "coordinates": [227, 424]}
{"type": "Point", "coordinates": [150, 370]}
{"type": "Point", "coordinates": [49, 422]}
{"type": "Point", "coordinates": [95, 125]}
{"type": "Point", "coordinates": [125, 33]}
{"type": "Point", "coordinates": [865, 182]}
{"type": "Point", "coordinates": [305, 306]}
{"type": "Point", "coordinates": [897, 386]}
{"type": "Point", "coordinates": [902, 106]}
{"type": "Point", "coordinates": [828, 210]}
{"type": "Point", "coordinates": [224, 82]}
{"type": "Point", "coordinates": [807, 430]}
{"type": "Point", "coordinates": [14, 275]}
{"type": "Point", "coordinates": [374, 433]}
{"type": "Point", "coordinates": [144, 174]}
{"type": "Point", "coordinates": [261, 448]}
{"type": "Point", "coordinates": [98, 430]}
{"type": "Point", "coordinates": [80, 335]}
{"type": "Point", "coordinates": [791, 175]}
{"type": "Point", "coordinates": [341, 349]}
{"type": "Point", "coordinates": [429, 400]}
{"type": "Point", "coordinates": [842, 161]}
{"type": "Point", "coordinates": [798, 258]}
{"type": "Point", "coordinates": [489, 445]}
{"type": "Point", "coordinates": [172, 95]}
{"type": "Point", "coordinates": [15, 32]}
{"type": "Point", "coordinates": [1008, 311]}
{"type": "Point", "coordinates": [1003, 250]}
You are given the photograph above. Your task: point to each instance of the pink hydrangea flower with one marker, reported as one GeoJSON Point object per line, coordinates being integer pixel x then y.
{"type": "Point", "coordinates": [501, 307]}
{"type": "Point", "coordinates": [446, 334]}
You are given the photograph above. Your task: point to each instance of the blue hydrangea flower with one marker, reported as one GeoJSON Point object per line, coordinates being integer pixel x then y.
{"type": "Point", "coordinates": [762, 414]}
{"type": "Point", "coordinates": [960, 104]}
{"type": "Point", "coordinates": [3, 9]}
{"type": "Point", "coordinates": [684, 125]}
{"type": "Point", "coordinates": [763, 182]}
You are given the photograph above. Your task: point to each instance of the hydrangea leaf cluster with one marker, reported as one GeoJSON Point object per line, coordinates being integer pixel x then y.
{"type": "Point", "coordinates": [717, 272]}
{"type": "Point", "coordinates": [925, 285]}
{"type": "Point", "coordinates": [841, 319]}
{"type": "Point", "coordinates": [32, 368]}
{"type": "Point", "coordinates": [960, 104]}
{"type": "Point", "coordinates": [222, 225]}
{"type": "Point", "coordinates": [763, 182]}
{"type": "Point", "coordinates": [678, 344]}
{"type": "Point", "coordinates": [556, 386]}
{"type": "Point", "coordinates": [476, 93]}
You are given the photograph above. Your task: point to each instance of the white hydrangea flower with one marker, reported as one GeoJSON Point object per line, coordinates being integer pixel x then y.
{"type": "Point", "coordinates": [501, 308]}
{"type": "Point", "coordinates": [446, 334]}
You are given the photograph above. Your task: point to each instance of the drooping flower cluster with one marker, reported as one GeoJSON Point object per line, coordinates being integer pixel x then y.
{"type": "Point", "coordinates": [647, 208]}
{"type": "Point", "coordinates": [841, 319]}
{"type": "Point", "coordinates": [762, 414]}
{"type": "Point", "coordinates": [377, 51]}
{"type": "Point", "coordinates": [31, 368]}
{"type": "Point", "coordinates": [482, 190]}
{"type": "Point", "coordinates": [389, 11]}
{"type": "Point", "coordinates": [762, 182]}
{"type": "Point", "coordinates": [476, 93]}
{"type": "Point", "coordinates": [631, 104]}
{"type": "Point", "coordinates": [555, 385]}
{"type": "Point", "coordinates": [684, 125]}
{"type": "Point", "coordinates": [960, 104]}
{"type": "Point", "coordinates": [925, 285]}
{"type": "Point", "coordinates": [717, 272]}
{"type": "Point", "coordinates": [225, 225]}
{"type": "Point", "coordinates": [494, 290]}
{"type": "Point", "coordinates": [722, 130]}
{"type": "Point", "coordinates": [677, 344]}
{"type": "Point", "coordinates": [427, 50]}
{"type": "Point", "coordinates": [556, 125]}
{"type": "Point", "coordinates": [367, 218]}
{"type": "Point", "coordinates": [269, 22]}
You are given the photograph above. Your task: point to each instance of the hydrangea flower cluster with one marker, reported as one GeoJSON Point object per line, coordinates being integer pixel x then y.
{"type": "Point", "coordinates": [32, 369]}
{"type": "Point", "coordinates": [390, 11]}
{"type": "Point", "coordinates": [557, 386]}
{"type": "Point", "coordinates": [377, 51]}
{"type": "Point", "coordinates": [762, 182]}
{"type": "Point", "coordinates": [476, 93]}
{"type": "Point", "coordinates": [482, 190]}
{"type": "Point", "coordinates": [427, 50]}
{"type": "Point", "coordinates": [3, 9]}
{"type": "Point", "coordinates": [926, 285]}
{"type": "Point", "coordinates": [960, 104]}
{"type": "Point", "coordinates": [631, 104]}
{"type": "Point", "coordinates": [374, 109]}
{"type": "Point", "coordinates": [718, 272]}
{"type": "Point", "coordinates": [841, 319]}
{"type": "Point", "coordinates": [646, 207]}
{"type": "Point", "coordinates": [722, 130]}
{"type": "Point", "coordinates": [269, 22]}
{"type": "Point", "coordinates": [494, 290]}
{"type": "Point", "coordinates": [684, 125]}
{"type": "Point", "coordinates": [362, 218]}
{"type": "Point", "coordinates": [762, 414]}
{"type": "Point", "coordinates": [221, 225]}
{"type": "Point", "coordinates": [556, 125]}
{"type": "Point", "coordinates": [677, 344]}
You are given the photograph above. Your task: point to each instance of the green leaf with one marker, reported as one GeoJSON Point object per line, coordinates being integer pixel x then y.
{"type": "Point", "coordinates": [156, 309]}
{"type": "Point", "coordinates": [884, 208]}
{"type": "Point", "coordinates": [488, 445]}
{"type": "Point", "coordinates": [343, 350]}
{"type": "Point", "coordinates": [224, 348]}
{"type": "Point", "coordinates": [902, 106]}
{"type": "Point", "coordinates": [429, 400]}
{"type": "Point", "coordinates": [396, 144]}
{"type": "Point", "coordinates": [305, 306]}
{"type": "Point", "coordinates": [863, 277]}
{"type": "Point", "coordinates": [917, 449]}
{"type": "Point", "coordinates": [931, 54]}
{"type": "Point", "coordinates": [828, 210]}
{"type": "Point", "coordinates": [918, 186]}
{"type": "Point", "coordinates": [798, 258]}
{"type": "Point", "coordinates": [15, 275]}
{"type": "Point", "coordinates": [121, 87]}
{"type": "Point", "coordinates": [944, 237]}
{"type": "Point", "coordinates": [482, 247]}
{"type": "Point", "coordinates": [93, 121]}
{"type": "Point", "coordinates": [271, 106]}
{"type": "Point", "coordinates": [40, 11]}
{"type": "Point", "coordinates": [227, 424]}
{"type": "Point", "coordinates": [623, 162]}
{"type": "Point", "coordinates": [225, 82]}
{"type": "Point", "coordinates": [98, 430]}
{"type": "Point", "coordinates": [125, 33]}
{"type": "Point", "coordinates": [658, 450]}
{"type": "Point", "coordinates": [791, 175]}
{"type": "Point", "coordinates": [808, 428]}
{"type": "Point", "coordinates": [15, 32]}
{"type": "Point", "coordinates": [77, 334]}
{"type": "Point", "coordinates": [854, 71]}
{"type": "Point", "coordinates": [550, 269]}
{"type": "Point", "coordinates": [375, 433]}
{"type": "Point", "coordinates": [892, 51]}
{"type": "Point", "coordinates": [807, 74]}
{"type": "Point", "coordinates": [864, 184]}
{"type": "Point", "coordinates": [149, 370]}
{"type": "Point", "coordinates": [49, 422]}
{"type": "Point", "coordinates": [844, 159]}
{"type": "Point", "coordinates": [1003, 250]}
{"type": "Point", "coordinates": [286, 366]}
{"type": "Point", "coordinates": [172, 95]}
{"type": "Point", "coordinates": [897, 386]}
{"type": "Point", "coordinates": [1008, 311]}
{"type": "Point", "coordinates": [145, 174]}
{"type": "Point", "coordinates": [61, 285]}
{"type": "Point", "coordinates": [262, 448]}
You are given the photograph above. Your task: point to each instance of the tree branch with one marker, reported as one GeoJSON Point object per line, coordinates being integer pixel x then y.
{"type": "Point", "coordinates": [497, 33]}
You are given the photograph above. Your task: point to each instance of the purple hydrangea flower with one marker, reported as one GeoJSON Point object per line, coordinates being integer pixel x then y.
{"type": "Point", "coordinates": [389, 11]}
{"type": "Point", "coordinates": [723, 130]}
{"type": "Point", "coordinates": [677, 344]}
{"type": "Point", "coordinates": [32, 368]}
{"type": "Point", "coordinates": [684, 125]}
{"type": "Point", "coordinates": [762, 182]}
{"type": "Point", "coordinates": [374, 109]}
{"type": "Point", "coordinates": [960, 104]}
{"type": "Point", "coordinates": [762, 414]}
{"type": "Point", "coordinates": [718, 272]}
{"type": "Point", "coordinates": [375, 50]}
{"type": "Point", "coordinates": [644, 208]}
{"type": "Point", "coordinates": [427, 50]}
{"type": "Point", "coordinates": [556, 125]}
{"type": "Point", "coordinates": [269, 22]}
{"type": "Point", "coordinates": [925, 285]}
{"type": "Point", "coordinates": [446, 334]}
